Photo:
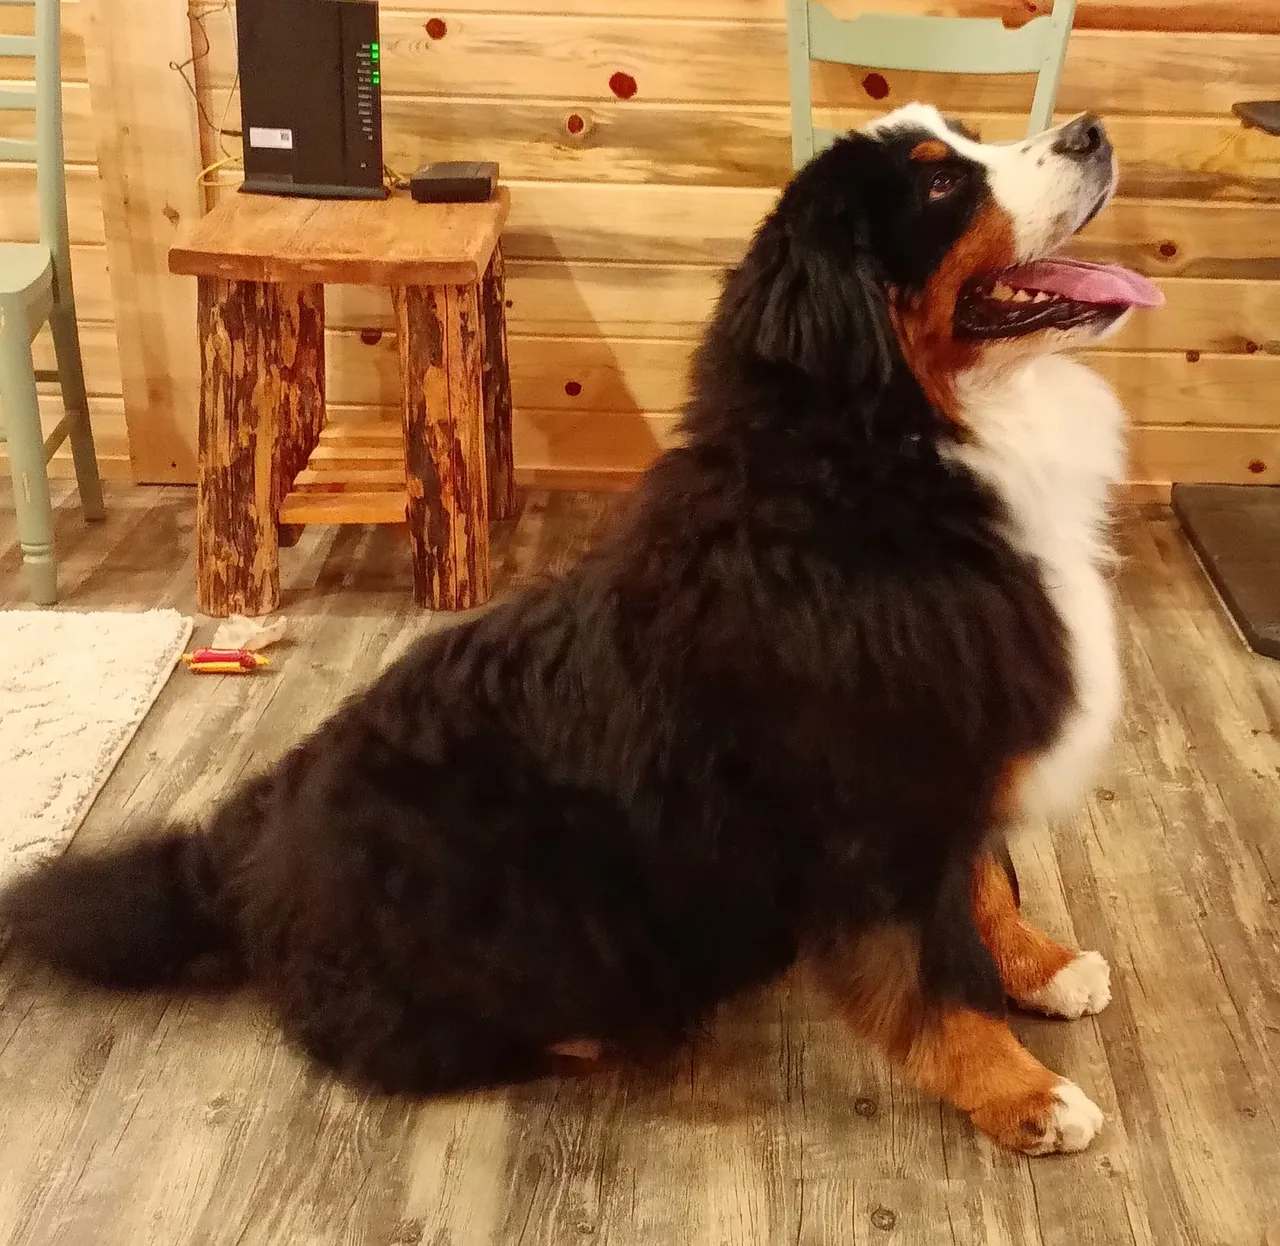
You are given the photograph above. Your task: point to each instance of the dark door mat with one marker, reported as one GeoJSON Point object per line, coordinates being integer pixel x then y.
{"type": "Point", "coordinates": [1235, 529]}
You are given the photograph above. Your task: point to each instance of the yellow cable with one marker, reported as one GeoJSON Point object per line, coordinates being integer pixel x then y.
{"type": "Point", "coordinates": [228, 158]}
{"type": "Point", "coordinates": [226, 112]}
{"type": "Point", "coordinates": [203, 179]}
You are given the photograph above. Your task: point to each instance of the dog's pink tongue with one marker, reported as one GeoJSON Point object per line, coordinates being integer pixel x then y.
{"type": "Point", "coordinates": [1087, 283]}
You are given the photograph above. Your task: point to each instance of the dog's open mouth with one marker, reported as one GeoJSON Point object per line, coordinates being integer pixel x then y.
{"type": "Point", "coordinates": [1049, 294]}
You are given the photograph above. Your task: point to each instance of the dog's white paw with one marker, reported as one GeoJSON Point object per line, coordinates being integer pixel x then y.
{"type": "Point", "coordinates": [1061, 1119]}
{"type": "Point", "coordinates": [1079, 989]}
{"type": "Point", "coordinates": [1073, 1123]}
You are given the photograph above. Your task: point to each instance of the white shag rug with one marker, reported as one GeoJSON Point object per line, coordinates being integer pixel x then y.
{"type": "Point", "coordinates": [73, 690]}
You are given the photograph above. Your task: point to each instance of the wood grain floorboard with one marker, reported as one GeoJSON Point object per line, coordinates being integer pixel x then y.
{"type": "Point", "coordinates": [184, 1119]}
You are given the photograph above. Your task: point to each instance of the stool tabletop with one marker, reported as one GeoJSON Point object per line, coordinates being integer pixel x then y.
{"type": "Point", "coordinates": [386, 242]}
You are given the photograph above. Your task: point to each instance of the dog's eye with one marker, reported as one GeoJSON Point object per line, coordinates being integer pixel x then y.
{"type": "Point", "coordinates": [943, 183]}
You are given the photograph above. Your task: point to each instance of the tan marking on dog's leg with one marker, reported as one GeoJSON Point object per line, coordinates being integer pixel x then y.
{"type": "Point", "coordinates": [973, 1061]}
{"type": "Point", "coordinates": [1037, 971]}
{"type": "Point", "coordinates": [978, 1064]}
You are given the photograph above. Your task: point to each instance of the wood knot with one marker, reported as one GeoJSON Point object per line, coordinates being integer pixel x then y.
{"type": "Point", "coordinates": [577, 124]}
{"type": "Point", "coordinates": [1251, 347]}
{"type": "Point", "coordinates": [1193, 356]}
{"type": "Point", "coordinates": [866, 1108]}
{"type": "Point", "coordinates": [408, 1232]}
{"type": "Point", "coordinates": [1257, 466]}
{"type": "Point", "coordinates": [371, 337]}
{"type": "Point", "coordinates": [573, 388]}
{"type": "Point", "coordinates": [623, 85]}
{"type": "Point", "coordinates": [876, 86]}
{"type": "Point", "coordinates": [1168, 249]}
{"type": "Point", "coordinates": [436, 28]}
{"type": "Point", "coordinates": [1017, 17]}
{"type": "Point", "coordinates": [93, 1059]}
{"type": "Point", "coordinates": [884, 1218]}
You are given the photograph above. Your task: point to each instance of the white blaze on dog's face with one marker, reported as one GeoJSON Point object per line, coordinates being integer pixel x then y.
{"type": "Point", "coordinates": [1049, 186]}
{"type": "Point", "coordinates": [992, 216]}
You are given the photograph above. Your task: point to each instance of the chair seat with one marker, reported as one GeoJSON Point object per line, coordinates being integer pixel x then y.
{"type": "Point", "coordinates": [25, 268]}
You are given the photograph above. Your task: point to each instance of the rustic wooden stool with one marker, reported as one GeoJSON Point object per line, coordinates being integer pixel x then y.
{"type": "Point", "coordinates": [268, 465]}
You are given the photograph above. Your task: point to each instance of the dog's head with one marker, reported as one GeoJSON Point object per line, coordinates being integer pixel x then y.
{"type": "Point", "coordinates": [911, 241]}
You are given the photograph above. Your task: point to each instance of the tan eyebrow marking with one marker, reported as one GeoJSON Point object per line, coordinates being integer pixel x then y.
{"type": "Point", "coordinates": [930, 151]}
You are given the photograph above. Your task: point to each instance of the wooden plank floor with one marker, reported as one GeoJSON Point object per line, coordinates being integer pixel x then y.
{"type": "Point", "coordinates": [184, 1120]}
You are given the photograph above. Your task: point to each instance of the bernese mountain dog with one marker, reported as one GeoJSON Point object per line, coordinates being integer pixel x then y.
{"type": "Point", "coordinates": [845, 636]}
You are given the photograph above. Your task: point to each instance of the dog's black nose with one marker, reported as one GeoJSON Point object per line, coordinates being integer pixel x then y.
{"type": "Point", "coordinates": [1083, 138]}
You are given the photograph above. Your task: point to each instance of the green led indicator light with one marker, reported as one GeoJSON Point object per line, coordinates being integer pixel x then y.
{"type": "Point", "coordinates": [373, 52]}
{"type": "Point", "coordinates": [376, 79]}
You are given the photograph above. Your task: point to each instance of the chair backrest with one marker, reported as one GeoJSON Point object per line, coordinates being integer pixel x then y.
{"type": "Point", "coordinates": [44, 98]}
{"type": "Point", "coordinates": [957, 45]}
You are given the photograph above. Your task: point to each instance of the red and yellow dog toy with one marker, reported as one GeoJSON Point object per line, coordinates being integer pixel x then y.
{"type": "Point", "coordinates": [224, 661]}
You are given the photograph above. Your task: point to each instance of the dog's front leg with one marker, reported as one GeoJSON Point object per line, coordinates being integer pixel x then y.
{"type": "Point", "coordinates": [970, 1058]}
{"type": "Point", "coordinates": [1037, 972]}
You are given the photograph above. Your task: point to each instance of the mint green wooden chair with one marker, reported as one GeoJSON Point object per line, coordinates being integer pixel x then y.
{"type": "Point", "coordinates": [35, 288]}
{"type": "Point", "coordinates": [940, 45]}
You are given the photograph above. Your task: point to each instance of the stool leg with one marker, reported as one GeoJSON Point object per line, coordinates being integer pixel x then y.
{"type": "Point", "coordinates": [238, 556]}
{"type": "Point", "coordinates": [497, 391]}
{"type": "Point", "coordinates": [441, 371]}
{"type": "Point", "coordinates": [300, 406]}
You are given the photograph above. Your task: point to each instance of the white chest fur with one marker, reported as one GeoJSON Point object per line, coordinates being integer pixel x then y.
{"type": "Point", "coordinates": [1050, 439]}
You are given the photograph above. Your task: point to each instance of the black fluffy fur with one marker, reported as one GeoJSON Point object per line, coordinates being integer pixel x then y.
{"type": "Point", "coordinates": [772, 710]}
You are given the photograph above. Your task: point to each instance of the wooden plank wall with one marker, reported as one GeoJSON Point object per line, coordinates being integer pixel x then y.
{"type": "Point", "coordinates": [643, 139]}
{"type": "Point", "coordinates": [148, 140]}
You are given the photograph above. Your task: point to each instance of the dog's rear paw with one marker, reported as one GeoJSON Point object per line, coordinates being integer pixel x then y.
{"type": "Point", "coordinates": [1079, 989]}
{"type": "Point", "coordinates": [1062, 1121]}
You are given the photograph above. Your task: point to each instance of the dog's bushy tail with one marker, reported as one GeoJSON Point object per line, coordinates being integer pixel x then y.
{"type": "Point", "coordinates": [135, 916]}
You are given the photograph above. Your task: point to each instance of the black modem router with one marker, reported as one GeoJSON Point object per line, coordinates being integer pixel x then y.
{"type": "Point", "coordinates": [311, 97]}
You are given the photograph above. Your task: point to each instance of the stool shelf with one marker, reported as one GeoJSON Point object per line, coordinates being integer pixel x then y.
{"type": "Point", "coordinates": [341, 508]}
{"type": "Point", "coordinates": [355, 475]}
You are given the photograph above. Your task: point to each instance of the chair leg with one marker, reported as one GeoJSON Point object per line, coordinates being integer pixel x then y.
{"type": "Point", "coordinates": [27, 461]}
{"type": "Point", "coordinates": [75, 402]}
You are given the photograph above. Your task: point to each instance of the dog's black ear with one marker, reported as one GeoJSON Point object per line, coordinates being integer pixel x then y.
{"type": "Point", "coordinates": [817, 306]}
